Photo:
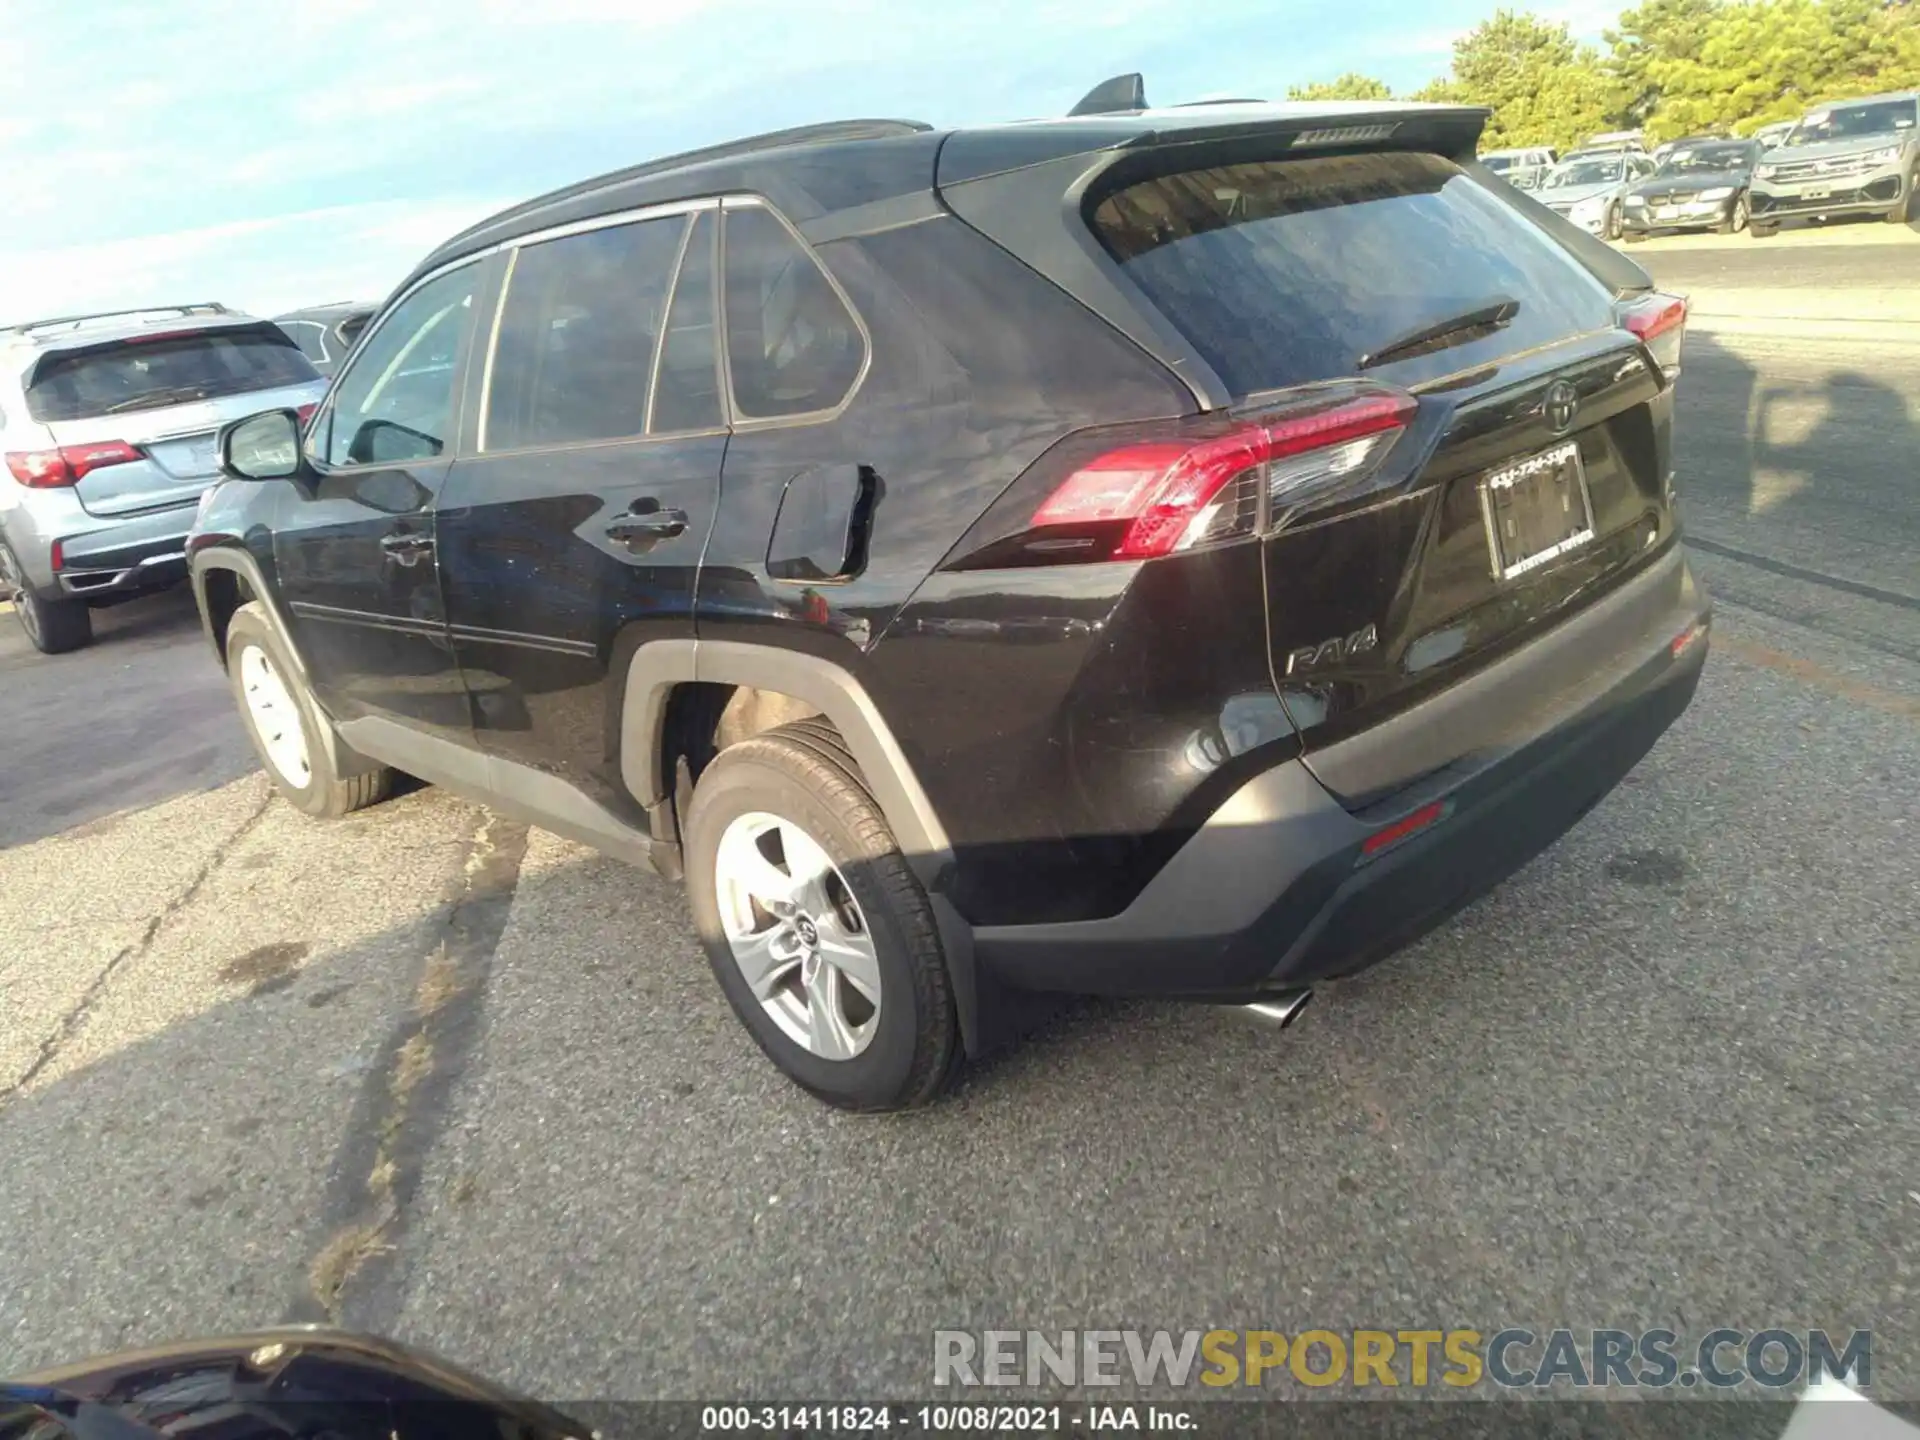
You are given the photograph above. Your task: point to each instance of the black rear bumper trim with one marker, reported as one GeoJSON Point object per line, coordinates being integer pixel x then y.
{"type": "Point", "coordinates": [1270, 894]}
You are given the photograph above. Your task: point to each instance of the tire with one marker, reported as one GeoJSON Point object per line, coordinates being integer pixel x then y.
{"type": "Point", "coordinates": [54, 626]}
{"type": "Point", "coordinates": [1614, 225]}
{"type": "Point", "coordinates": [1634, 237]}
{"type": "Point", "coordinates": [1761, 230]}
{"type": "Point", "coordinates": [893, 1050]}
{"type": "Point", "coordinates": [257, 660]}
{"type": "Point", "coordinates": [1736, 219]}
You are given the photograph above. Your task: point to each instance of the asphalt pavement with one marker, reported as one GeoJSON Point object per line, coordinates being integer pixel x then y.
{"type": "Point", "coordinates": [434, 1075]}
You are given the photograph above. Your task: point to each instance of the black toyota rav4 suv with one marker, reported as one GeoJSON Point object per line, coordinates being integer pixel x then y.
{"type": "Point", "coordinates": [1179, 552]}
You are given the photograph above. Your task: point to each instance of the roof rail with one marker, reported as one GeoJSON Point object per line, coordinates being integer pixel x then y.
{"type": "Point", "coordinates": [75, 322]}
{"type": "Point", "coordinates": [822, 134]}
{"type": "Point", "coordinates": [1114, 97]}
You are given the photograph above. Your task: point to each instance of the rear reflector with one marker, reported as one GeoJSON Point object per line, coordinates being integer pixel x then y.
{"type": "Point", "coordinates": [1687, 639]}
{"type": "Point", "coordinates": [1182, 484]}
{"type": "Point", "coordinates": [1393, 834]}
{"type": "Point", "coordinates": [68, 464]}
{"type": "Point", "coordinates": [1660, 321]}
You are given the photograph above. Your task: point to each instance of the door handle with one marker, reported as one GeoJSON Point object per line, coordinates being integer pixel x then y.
{"type": "Point", "coordinates": [639, 528]}
{"type": "Point", "coordinates": [407, 547]}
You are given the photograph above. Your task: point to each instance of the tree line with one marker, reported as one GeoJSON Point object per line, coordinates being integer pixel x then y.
{"type": "Point", "coordinates": [1669, 67]}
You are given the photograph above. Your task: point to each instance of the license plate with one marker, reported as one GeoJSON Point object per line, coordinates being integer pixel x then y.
{"type": "Point", "coordinates": [1536, 510]}
{"type": "Point", "coordinates": [1816, 192]}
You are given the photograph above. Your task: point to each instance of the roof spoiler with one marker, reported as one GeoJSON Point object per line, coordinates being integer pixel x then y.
{"type": "Point", "coordinates": [1114, 97]}
{"type": "Point", "coordinates": [75, 322]}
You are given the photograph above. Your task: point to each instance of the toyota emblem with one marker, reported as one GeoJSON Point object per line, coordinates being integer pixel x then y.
{"type": "Point", "coordinates": [1563, 403]}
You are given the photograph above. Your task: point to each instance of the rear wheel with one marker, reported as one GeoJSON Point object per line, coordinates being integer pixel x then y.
{"type": "Point", "coordinates": [54, 626]}
{"type": "Point", "coordinates": [816, 928]}
{"type": "Point", "coordinates": [285, 725]}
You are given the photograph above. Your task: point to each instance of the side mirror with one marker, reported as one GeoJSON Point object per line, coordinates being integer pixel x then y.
{"type": "Point", "coordinates": [262, 447]}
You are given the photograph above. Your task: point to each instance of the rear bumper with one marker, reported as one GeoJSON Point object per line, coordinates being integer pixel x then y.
{"type": "Point", "coordinates": [110, 562]}
{"type": "Point", "coordinates": [99, 555]}
{"type": "Point", "coordinates": [1275, 891]}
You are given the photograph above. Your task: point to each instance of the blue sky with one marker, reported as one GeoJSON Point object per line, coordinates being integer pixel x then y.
{"type": "Point", "coordinates": [272, 153]}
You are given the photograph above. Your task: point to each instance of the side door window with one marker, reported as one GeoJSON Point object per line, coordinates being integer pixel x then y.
{"type": "Point", "coordinates": [577, 528]}
{"type": "Point", "coordinates": [793, 346]}
{"type": "Point", "coordinates": [395, 403]}
{"type": "Point", "coordinates": [574, 358]}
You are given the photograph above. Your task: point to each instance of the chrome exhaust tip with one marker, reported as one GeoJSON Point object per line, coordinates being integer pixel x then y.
{"type": "Point", "coordinates": [1282, 1010]}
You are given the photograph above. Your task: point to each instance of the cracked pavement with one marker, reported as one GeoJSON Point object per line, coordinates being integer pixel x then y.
{"type": "Point", "coordinates": [472, 1086]}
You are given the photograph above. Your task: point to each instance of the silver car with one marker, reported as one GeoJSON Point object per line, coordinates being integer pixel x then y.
{"type": "Point", "coordinates": [1589, 188]}
{"type": "Point", "coordinates": [1854, 158]}
{"type": "Point", "coordinates": [109, 425]}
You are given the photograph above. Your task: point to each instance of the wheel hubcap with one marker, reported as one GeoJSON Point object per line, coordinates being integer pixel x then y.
{"type": "Point", "coordinates": [798, 935]}
{"type": "Point", "coordinates": [275, 717]}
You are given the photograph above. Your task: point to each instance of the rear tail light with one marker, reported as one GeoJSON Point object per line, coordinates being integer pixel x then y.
{"type": "Point", "coordinates": [1660, 321]}
{"type": "Point", "coordinates": [1139, 492]}
{"type": "Point", "coordinates": [67, 464]}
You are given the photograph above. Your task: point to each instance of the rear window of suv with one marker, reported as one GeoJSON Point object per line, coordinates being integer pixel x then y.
{"type": "Point", "coordinates": [148, 372]}
{"type": "Point", "coordinates": [1287, 271]}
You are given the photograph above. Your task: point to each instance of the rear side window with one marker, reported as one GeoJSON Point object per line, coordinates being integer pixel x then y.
{"type": "Point", "coordinates": [793, 347]}
{"type": "Point", "coordinates": [151, 371]}
{"type": "Point", "coordinates": [1284, 272]}
{"type": "Point", "coordinates": [582, 316]}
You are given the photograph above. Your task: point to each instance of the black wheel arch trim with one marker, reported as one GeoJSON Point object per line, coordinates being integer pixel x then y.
{"type": "Point", "coordinates": [346, 760]}
{"type": "Point", "coordinates": [660, 665]}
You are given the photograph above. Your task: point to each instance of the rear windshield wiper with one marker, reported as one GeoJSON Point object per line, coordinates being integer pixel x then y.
{"type": "Point", "coordinates": [178, 395]}
{"type": "Point", "coordinates": [1496, 314]}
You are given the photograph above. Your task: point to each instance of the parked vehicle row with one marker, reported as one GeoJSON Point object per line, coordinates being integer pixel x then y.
{"type": "Point", "coordinates": [1855, 157]}
{"type": "Point", "coordinates": [693, 512]}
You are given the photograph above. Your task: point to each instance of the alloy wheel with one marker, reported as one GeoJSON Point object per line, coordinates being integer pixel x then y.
{"type": "Point", "coordinates": [275, 717]}
{"type": "Point", "coordinates": [798, 935]}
